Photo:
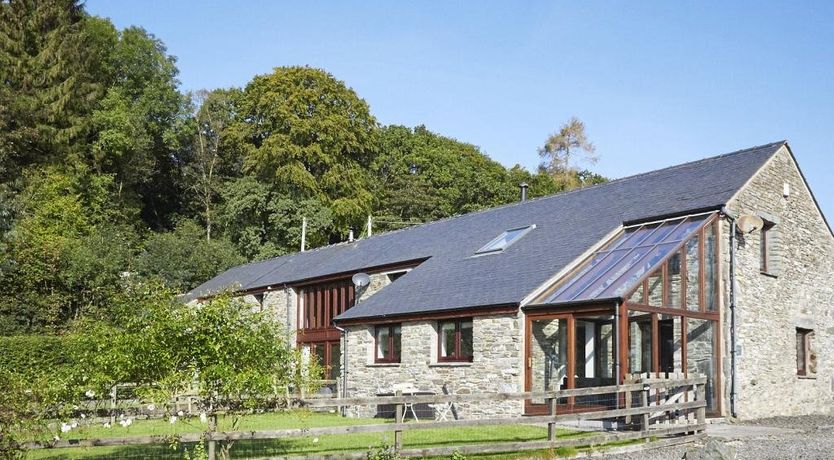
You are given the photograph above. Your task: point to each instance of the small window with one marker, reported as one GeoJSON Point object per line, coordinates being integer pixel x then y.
{"type": "Point", "coordinates": [455, 340]}
{"type": "Point", "coordinates": [767, 244]}
{"type": "Point", "coordinates": [806, 359]}
{"type": "Point", "coordinates": [504, 240]}
{"type": "Point", "coordinates": [388, 343]}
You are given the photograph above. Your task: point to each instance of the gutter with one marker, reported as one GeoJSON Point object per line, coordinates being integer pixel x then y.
{"type": "Point", "coordinates": [733, 331]}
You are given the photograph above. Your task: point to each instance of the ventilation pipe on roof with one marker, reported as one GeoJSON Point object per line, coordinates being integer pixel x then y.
{"type": "Point", "coordinates": [350, 235]}
{"type": "Point", "coordinates": [523, 186]}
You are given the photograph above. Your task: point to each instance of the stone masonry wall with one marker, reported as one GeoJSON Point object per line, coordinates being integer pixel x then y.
{"type": "Point", "coordinates": [496, 365]}
{"type": "Point", "coordinates": [770, 308]}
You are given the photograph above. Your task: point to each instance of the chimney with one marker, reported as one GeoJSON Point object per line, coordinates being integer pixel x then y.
{"type": "Point", "coordinates": [523, 186]}
{"type": "Point", "coordinates": [350, 235]}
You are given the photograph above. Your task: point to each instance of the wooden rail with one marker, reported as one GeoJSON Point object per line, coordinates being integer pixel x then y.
{"type": "Point", "coordinates": [690, 425]}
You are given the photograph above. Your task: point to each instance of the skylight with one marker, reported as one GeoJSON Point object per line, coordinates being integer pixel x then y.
{"type": "Point", "coordinates": [504, 240]}
{"type": "Point", "coordinates": [614, 270]}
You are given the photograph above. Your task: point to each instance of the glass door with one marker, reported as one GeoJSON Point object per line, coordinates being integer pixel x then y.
{"type": "Point", "coordinates": [547, 359]}
{"type": "Point", "coordinates": [573, 350]}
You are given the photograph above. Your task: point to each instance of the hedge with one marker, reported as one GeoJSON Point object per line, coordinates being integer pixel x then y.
{"type": "Point", "coordinates": [31, 355]}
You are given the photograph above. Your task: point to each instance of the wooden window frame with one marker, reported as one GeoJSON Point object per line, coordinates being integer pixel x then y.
{"type": "Point", "coordinates": [805, 335]}
{"type": "Point", "coordinates": [393, 358]}
{"type": "Point", "coordinates": [328, 364]}
{"type": "Point", "coordinates": [456, 356]}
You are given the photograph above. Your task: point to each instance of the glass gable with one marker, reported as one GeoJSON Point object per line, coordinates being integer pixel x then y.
{"type": "Point", "coordinates": [618, 268]}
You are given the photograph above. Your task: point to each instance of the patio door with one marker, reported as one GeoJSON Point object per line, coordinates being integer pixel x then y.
{"type": "Point", "coordinates": [574, 350]}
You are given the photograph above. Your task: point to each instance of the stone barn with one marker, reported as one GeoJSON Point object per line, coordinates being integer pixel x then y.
{"type": "Point", "coordinates": [722, 267]}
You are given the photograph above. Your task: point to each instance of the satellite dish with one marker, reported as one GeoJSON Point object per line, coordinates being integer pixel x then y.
{"type": "Point", "coordinates": [361, 280]}
{"type": "Point", "coordinates": [749, 223]}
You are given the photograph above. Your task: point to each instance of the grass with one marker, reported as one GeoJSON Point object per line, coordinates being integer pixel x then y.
{"type": "Point", "coordinates": [295, 446]}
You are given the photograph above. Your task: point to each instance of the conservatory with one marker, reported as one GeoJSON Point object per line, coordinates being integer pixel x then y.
{"type": "Point", "coordinates": [647, 302]}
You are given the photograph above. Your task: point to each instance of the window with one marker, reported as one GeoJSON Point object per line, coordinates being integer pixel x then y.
{"type": "Point", "coordinates": [388, 343]}
{"type": "Point", "coordinates": [504, 240]}
{"type": "Point", "coordinates": [768, 244]}
{"type": "Point", "coordinates": [806, 359]}
{"type": "Point", "coordinates": [328, 355]}
{"type": "Point", "coordinates": [455, 340]}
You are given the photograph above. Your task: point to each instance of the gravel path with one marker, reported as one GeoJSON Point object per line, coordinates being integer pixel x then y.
{"type": "Point", "coordinates": [806, 437]}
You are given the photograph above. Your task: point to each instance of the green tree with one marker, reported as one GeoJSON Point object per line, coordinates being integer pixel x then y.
{"type": "Point", "coordinates": [142, 126]}
{"type": "Point", "coordinates": [423, 176]}
{"type": "Point", "coordinates": [65, 250]}
{"type": "Point", "coordinates": [183, 258]}
{"type": "Point", "coordinates": [49, 67]}
{"type": "Point", "coordinates": [213, 158]}
{"type": "Point", "coordinates": [237, 358]}
{"type": "Point", "coordinates": [307, 135]}
{"type": "Point", "coordinates": [263, 223]}
{"type": "Point", "coordinates": [562, 149]}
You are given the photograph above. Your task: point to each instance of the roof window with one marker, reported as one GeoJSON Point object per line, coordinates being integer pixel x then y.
{"type": "Point", "coordinates": [504, 240]}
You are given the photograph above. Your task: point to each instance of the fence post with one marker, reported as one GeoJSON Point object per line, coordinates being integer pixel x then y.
{"type": "Point", "coordinates": [700, 395]}
{"type": "Point", "coordinates": [212, 444]}
{"type": "Point", "coordinates": [113, 401]}
{"type": "Point", "coordinates": [398, 434]}
{"type": "Point", "coordinates": [551, 426]}
{"type": "Point", "coordinates": [644, 401]}
{"type": "Point", "coordinates": [628, 396]}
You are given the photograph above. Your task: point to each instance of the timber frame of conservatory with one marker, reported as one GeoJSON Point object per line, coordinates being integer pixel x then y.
{"type": "Point", "coordinates": [682, 310]}
{"type": "Point", "coordinates": [605, 307]}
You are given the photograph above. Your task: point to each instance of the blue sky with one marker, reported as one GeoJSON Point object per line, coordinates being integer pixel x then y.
{"type": "Point", "coordinates": [657, 83]}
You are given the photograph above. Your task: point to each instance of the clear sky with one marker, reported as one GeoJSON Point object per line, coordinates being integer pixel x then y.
{"type": "Point", "coordinates": [657, 83]}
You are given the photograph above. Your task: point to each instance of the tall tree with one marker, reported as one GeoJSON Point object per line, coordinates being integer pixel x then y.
{"type": "Point", "coordinates": [213, 159]}
{"type": "Point", "coordinates": [49, 69]}
{"type": "Point", "coordinates": [562, 149]}
{"type": "Point", "coordinates": [308, 135]}
{"type": "Point", "coordinates": [142, 126]}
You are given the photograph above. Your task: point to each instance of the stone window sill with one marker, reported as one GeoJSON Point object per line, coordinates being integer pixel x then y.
{"type": "Point", "coordinates": [452, 364]}
{"type": "Point", "coordinates": [383, 364]}
{"type": "Point", "coordinates": [769, 275]}
{"type": "Point", "coordinates": [806, 377]}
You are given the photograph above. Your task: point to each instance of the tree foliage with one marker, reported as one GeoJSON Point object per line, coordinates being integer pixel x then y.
{"type": "Point", "coordinates": [109, 173]}
{"type": "Point", "coordinates": [234, 357]}
{"type": "Point", "coordinates": [48, 66]}
{"type": "Point", "coordinates": [183, 258]}
{"type": "Point", "coordinates": [563, 148]}
{"type": "Point", "coordinates": [307, 135]}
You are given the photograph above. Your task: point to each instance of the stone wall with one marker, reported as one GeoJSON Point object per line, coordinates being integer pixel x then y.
{"type": "Point", "coordinates": [280, 305]}
{"type": "Point", "coordinates": [770, 308]}
{"type": "Point", "coordinates": [496, 365]}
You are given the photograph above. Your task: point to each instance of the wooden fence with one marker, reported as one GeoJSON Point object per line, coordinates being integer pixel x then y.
{"type": "Point", "coordinates": [651, 408]}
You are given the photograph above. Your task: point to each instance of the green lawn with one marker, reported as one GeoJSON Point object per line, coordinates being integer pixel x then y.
{"type": "Point", "coordinates": [295, 446]}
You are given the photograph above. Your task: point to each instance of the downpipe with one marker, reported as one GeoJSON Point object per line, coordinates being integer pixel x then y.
{"type": "Point", "coordinates": [343, 331]}
{"type": "Point", "coordinates": [733, 331]}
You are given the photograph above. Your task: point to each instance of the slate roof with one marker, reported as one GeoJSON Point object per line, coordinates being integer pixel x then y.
{"type": "Point", "coordinates": [567, 225]}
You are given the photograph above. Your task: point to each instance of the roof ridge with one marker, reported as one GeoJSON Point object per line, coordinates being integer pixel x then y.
{"type": "Point", "coordinates": [531, 200]}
